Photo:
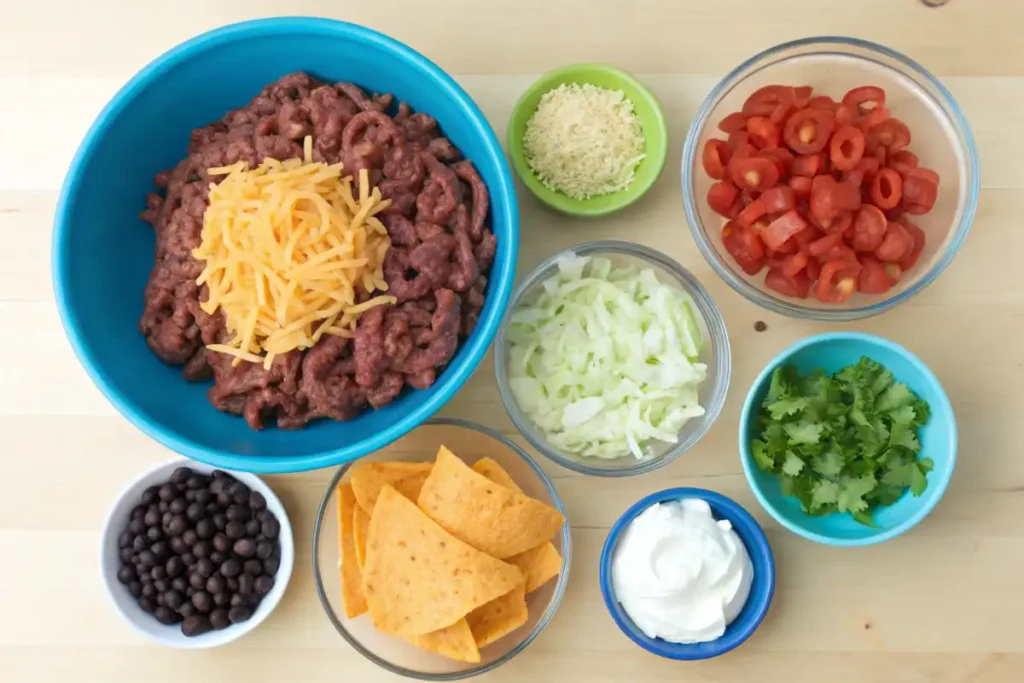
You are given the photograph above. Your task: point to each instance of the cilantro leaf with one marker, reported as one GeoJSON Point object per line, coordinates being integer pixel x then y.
{"type": "Point", "coordinates": [852, 492]}
{"type": "Point", "coordinates": [904, 436]}
{"type": "Point", "coordinates": [828, 464]}
{"type": "Point", "coordinates": [804, 432]}
{"type": "Point", "coordinates": [918, 481]}
{"type": "Point", "coordinates": [787, 406]}
{"type": "Point", "coordinates": [793, 464]}
{"type": "Point", "coordinates": [762, 457]}
{"type": "Point", "coordinates": [904, 415]}
{"type": "Point", "coordinates": [894, 397]}
{"type": "Point", "coordinates": [824, 492]}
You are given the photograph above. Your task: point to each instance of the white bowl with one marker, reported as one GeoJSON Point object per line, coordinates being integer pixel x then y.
{"type": "Point", "coordinates": [146, 624]}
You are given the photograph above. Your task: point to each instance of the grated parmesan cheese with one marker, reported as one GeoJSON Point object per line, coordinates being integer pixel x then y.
{"type": "Point", "coordinates": [285, 247]}
{"type": "Point", "coordinates": [584, 140]}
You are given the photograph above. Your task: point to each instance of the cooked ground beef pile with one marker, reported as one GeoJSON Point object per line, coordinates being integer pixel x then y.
{"type": "Point", "coordinates": [437, 265]}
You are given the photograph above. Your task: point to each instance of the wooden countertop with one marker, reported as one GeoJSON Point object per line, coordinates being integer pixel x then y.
{"type": "Point", "coordinates": [940, 604]}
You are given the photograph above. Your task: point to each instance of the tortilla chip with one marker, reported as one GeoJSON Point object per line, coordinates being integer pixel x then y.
{"type": "Point", "coordinates": [351, 580]}
{"type": "Point", "coordinates": [455, 642]}
{"type": "Point", "coordinates": [499, 617]}
{"type": "Point", "coordinates": [405, 477]}
{"type": "Point", "coordinates": [496, 473]}
{"type": "Point", "coordinates": [419, 578]}
{"type": "Point", "coordinates": [360, 524]}
{"type": "Point", "coordinates": [495, 519]}
{"type": "Point", "coordinates": [539, 565]}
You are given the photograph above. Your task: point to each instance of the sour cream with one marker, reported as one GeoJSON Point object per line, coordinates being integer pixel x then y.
{"type": "Point", "coordinates": [681, 575]}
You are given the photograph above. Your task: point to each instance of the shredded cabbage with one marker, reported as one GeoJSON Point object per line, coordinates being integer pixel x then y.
{"type": "Point", "coordinates": [606, 359]}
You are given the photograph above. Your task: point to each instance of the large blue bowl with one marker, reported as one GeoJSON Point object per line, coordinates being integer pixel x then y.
{"type": "Point", "coordinates": [832, 352]}
{"type": "Point", "coordinates": [103, 251]}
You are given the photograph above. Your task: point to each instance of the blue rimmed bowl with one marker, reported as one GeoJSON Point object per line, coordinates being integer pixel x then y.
{"type": "Point", "coordinates": [832, 352]}
{"type": "Point", "coordinates": [103, 252]}
{"type": "Point", "coordinates": [761, 590]}
{"type": "Point", "coordinates": [833, 65]}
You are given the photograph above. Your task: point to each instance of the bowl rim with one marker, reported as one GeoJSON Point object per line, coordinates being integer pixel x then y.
{"type": "Point", "coordinates": [706, 306]}
{"type": "Point", "coordinates": [469, 355]}
{"type": "Point", "coordinates": [213, 638]}
{"type": "Point", "coordinates": [781, 306]}
{"type": "Point", "coordinates": [761, 557]}
{"type": "Point", "coordinates": [936, 489]}
{"type": "Point", "coordinates": [562, 202]}
{"type": "Point", "coordinates": [476, 670]}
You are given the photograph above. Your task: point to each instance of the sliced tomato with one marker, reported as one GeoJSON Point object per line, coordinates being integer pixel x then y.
{"type": "Point", "coordinates": [903, 161]}
{"type": "Point", "coordinates": [868, 228]}
{"type": "Point", "coordinates": [783, 155]}
{"type": "Point", "coordinates": [895, 214]}
{"type": "Point", "coordinates": [779, 199]}
{"type": "Point", "coordinates": [887, 189]}
{"type": "Point", "coordinates": [802, 96]}
{"type": "Point", "coordinates": [807, 166]}
{"type": "Point", "coordinates": [837, 281]}
{"type": "Point", "coordinates": [865, 98]}
{"type": "Point", "coordinates": [753, 211]}
{"type": "Point", "coordinates": [846, 148]}
{"type": "Point", "coordinates": [797, 286]}
{"type": "Point", "coordinates": [873, 278]}
{"type": "Point", "coordinates": [733, 123]}
{"type": "Point", "coordinates": [744, 246]}
{"type": "Point", "coordinates": [823, 102]}
{"type": "Point", "coordinates": [781, 112]}
{"type": "Point", "coordinates": [753, 173]}
{"type": "Point", "coordinates": [925, 173]}
{"type": "Point", "coordinates": [846, 115]}
{"type": "Point", "coordinates": [795, 263]}
{"type": "Point", "coordinates": [819, 247]}
{"type": "Point", "coordinates": [880, 154]}
{"type": "Point", "coordinates": [873, 118]}
{"type": "Point", "coordinates": [764, 100]}
{"type": "Point", "coordinates": [919, 193]}
{"type": "Point", "coordinates": [896, 244]}
{"type": "Point", "coordinates": [892, 134]}
{"type": "Point", "coordinates": [805, 237]}
{"type": "Point", "coordinates": [869, 167]}
{"type": "Point", "coordinates": [738, 139]}
{"type": "Point", "coordinates": [807, 131]}
{"type": "Point", "coordinates": [801, 185]}
{"type": "Point", "coordinates": [714, 158]}
{"type": "Point", "coordinates": [813, 269]}
{"type": "Point", "coordinates": [782, 228]}
{"type": "Point", "coordinates": [909, 260]}
{"type": "Point", "coordinates": [741, 152]}
{"type": "Point", "coordinates": [721, 197]}
{"type": "Point", "coordinates": [762, 132]}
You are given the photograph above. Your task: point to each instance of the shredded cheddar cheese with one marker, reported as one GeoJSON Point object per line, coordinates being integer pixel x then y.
{"type": "Point", "coordinates": [285, 246]}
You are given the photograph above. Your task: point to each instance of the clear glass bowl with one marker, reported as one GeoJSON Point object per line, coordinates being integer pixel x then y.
{"type": "Point", "coordinates": [941, 138]}
{"type": "Point", "coordinates": [715, 354]}
{"type": "Point", "coordinates": [470, 442]}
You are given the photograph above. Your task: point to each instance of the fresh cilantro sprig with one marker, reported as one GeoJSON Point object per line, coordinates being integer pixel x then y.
{"type": "Point", "coordinates": [842, 443]}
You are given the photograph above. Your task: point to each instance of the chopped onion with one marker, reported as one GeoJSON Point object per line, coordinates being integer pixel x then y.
{"type": "Point", "coordinates": [606, 359]}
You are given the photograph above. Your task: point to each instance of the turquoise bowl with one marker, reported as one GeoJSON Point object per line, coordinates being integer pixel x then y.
{"type": "Point", "coordinates": [833, 352]}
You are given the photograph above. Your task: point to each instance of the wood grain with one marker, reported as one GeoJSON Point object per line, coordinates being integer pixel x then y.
{"type": "Point", "coordinates": [940, 605]}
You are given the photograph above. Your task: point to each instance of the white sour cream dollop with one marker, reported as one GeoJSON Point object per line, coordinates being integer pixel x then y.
{"type": "Point", "coordinates": [681, 575]}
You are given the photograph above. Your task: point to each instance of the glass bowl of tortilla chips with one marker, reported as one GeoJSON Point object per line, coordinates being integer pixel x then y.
{"type": "Point", "coordinates": [443, 555]}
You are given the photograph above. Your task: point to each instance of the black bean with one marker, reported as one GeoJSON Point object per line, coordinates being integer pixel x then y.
{"type": "Point", "coordinates": [214, 508]}
{"type": "Point", "coordinates": [264, 549]}
{"type": "Point", "coordinates": [760, 326]}
{"type": "Point", "coordinates": [264, 515]}
{"type": "Point", "coordinates": [202, 600]}
{"type": "Point", "coordinates": [174, 599]}
{"type": "Point", "coordinates": [195, 625]}
{"type": "Point", "coordinates": [202, 549]}
{"type": "Point", "coordinates": [158, 572]}
{"type": "Point", "coordinates": [178, 506]}
{"type": "Point", "coordinates": [205, 529]}
{"type": "Point", "coordinates": [222, 599]}
{"type": "Point", "coordinates": [189, 559]}
{"type": "Point", "coordinates": [216, 584]}
{"type": "Point", "coordinates": [190, 537]}
{"type": "Point", "coordinates": [137, 526]}
{"type": "Point", "coordinates": [167, 493]}
{"type": "Point", "coordinates": [197, 581]}
{"type": "Point", "coordinates": [222, 542]}
{"type": "Point", "coordinates": [187, 609]}
{"type": "Point", "coordinates": [138, 512]}
{"type": "Point", "coordinates": [218, 557]}
{"type": "Point", "coordinates": [179, 583]}
{"type": "Point", "coordinates": [189, 592]}
{"type": "Point", "coordinates": [154, 533]}
{"type": "Point", "coordinates": [239, 614]}
{"type": "Point", "coordinates": [125, 539]}
{"type": "Point", "coordinates": [252, 527]}
{"type": "Point", "coordinates": [148, 590]}
{"type": "Point", "coordinates": [135, 589]}
{"type": "Point", "coordinates": [246, 584]}
{"type": "Point", "coordinates": [190, 496]}
{"type": "Point", "coordinates": [195, 511]}
{"type": "Point", "coordinates": [125, 554]}
{"type": "Point", "coordinates": [237, 513]}
{"type": "Point", "coordinates": [161, 585]}
{"type": "Point", "coordinates": [179, 525]}
{"type": "Point", "coordinates": [150, 496]}
{"type": "Point", "coordinates": [203, 496]}
{"type": "Point", "coordinates": [216, 485]}
{"type": "Point", "coordinates": [142, 573]}
{"type": "Point", "coordinates": [147, 559]}
{"type": "Point", "coordinates": [234, 531]}
{"type": "Point", "coordinates": [231, 567]}
{"type": "Point", "coordinates": [271, 528]}
{"type": "Point", "coordinates": [126, 575]}
{"type": "Point", "coordinates": [238, 600]}
{"type": "Point", "coordinates": [253, 567]}
{"type": "Point", "coordinates": [257, 501]}
{"type": "Point", "coordinates": [220, 521]}
{"type": "Point", "coordinates": [271, 565]}
{"type": "Point", "coordinates": [219, 619]}
{"type": "Point", "coordinates": [240, 492]}
{"type": "Point", "coordinates": [232, 584]}
{"type": "Point", "coordinates": [245, 547]}
{"type": "Point", "coordinates": [263, 584]}
{"type": "Point", "coordinates": [174, 567]}
{"type": "Point", "coordinates": [180, 474]}
{"type": "Point", "coordinates": [221, 474]}
{"type": "Point", "coordinates": [161, 551]}
{"type": "Point", "coordinates": [166, 518]}
{"type": "Point", "coordinates": [147, 604]}
{"type": "Point", "coordinates": [195, 482]}
{"type": "Point", "coordinates": [225, 498]}
{"type": "Point", "coordinates": [166, 615]}
{"type": "Point", "coordinates": [159, 598]}
{"type": "Point", "coordinates": [205, 567]}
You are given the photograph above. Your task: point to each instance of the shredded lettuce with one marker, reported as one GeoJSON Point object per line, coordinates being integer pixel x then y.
{"type": "Point", "coordinates": [606, 359]}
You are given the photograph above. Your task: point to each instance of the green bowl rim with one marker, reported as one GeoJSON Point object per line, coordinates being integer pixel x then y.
{"type": "Point", "coordinates": [562, 202]}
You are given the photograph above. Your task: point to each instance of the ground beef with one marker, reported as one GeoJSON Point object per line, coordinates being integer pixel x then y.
{"type": "Point", "coordinates": [441, 253]}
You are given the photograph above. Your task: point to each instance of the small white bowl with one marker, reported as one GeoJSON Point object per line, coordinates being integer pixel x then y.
{"type": "Point", "coordinates": [146, 624]}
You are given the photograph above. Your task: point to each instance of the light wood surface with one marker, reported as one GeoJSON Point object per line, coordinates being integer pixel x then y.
{"type": "Point", "coordinates": [941, 604]}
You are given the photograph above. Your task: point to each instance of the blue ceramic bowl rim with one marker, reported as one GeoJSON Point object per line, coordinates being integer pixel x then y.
{"type": "Point", "coordinates": [936, 489]}
{"type": "Point", "coordinates": [468, 357]}
{"type": "Point", "coordinates": [690, 160]}
{"type": "Point", "coordinates": [556, 597]}
{"type": "Point", "coordinates": [757, 604]}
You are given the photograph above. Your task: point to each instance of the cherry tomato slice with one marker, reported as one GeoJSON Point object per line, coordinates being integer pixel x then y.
{"type": "Point", "coordinates": [813, 269]}
{"type": "Point", "coordinates": [733, 123]}
{"type": "Point", "coordinates": [779, 199]}
{"type": "Point", "coordinates": [780, 153]}
{"type": "Point", "coordinates": [846, 115]}
{"type": "Point", "coordinates": [917, 234]}
{"type": "Point", "coordinates": [836, 281]}
{"type": "Point", "coordinates": [721, 197]}
{"type": "Point", "coordinates": [869, 167]}
{"type": "Point", "coordinates": [744, 246]}
{"type": "Point", "coordinates": [903, 161]}
{"type": "Point", "coordinates": [830, 197]}
{"type": "Point", "coordinates": [846, 148]}
{"type": "Point", "coordinates": [795, 263]}
{"type": "Point", "coordinates": [807, 131]}
{"type": "Point", "coordinates": [738, 139]}
{"type": "Point", "coordinates": [713, 158]}
{"type": "Point", "coordinates": [762, 132]}
{"type": "Point", "coordinates": [873, 278]}
{"type": "Point", "coordinates": [868, 229]}
{"type": "Point", "coordinates": [807, 166]}
{"type": "Point", "coordinates": [926, 173]}
{"type": "Point", "coordinates": [798, 286]}
{"type": "Point", "coordinates": [865, 98]}
{"type": "Point", "coordinates": [896, 244]}
{"type": "Point", "coordinates": [873, 118]}
{"type": "Point", "coordinates": [781, 112]}
{"type": "Point", "coordinates": [741, 152]}
{"type": "Point", "coordinates": [749, 215]}
{"type": "Point", "coordinates": [802, 96]}
{"type": "Point", "coordinates": [801, 185]}
{"type": "Point", "coordinates": [824, 245]}
{"type": "Point", "coordinates": [753, 173]}
{"type": "Point", "coordinates": [919, 193]}
{"type": "Point", "coordinates": [823, 102]}
{"type": "Point", "coordinates": [892, 134]}
{"type": "Point", "coordinates": [782, 228]}
{"type": "Point", "coordinates": [887, 189]}
{"type": "Point", "coordinates": [764, 100]}
{"type": "Point", "coordinates": [805, 237]}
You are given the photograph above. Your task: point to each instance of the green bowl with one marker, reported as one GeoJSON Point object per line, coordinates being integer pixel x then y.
{"type": "Point", "coordinates": [647, 110]}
